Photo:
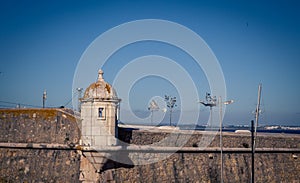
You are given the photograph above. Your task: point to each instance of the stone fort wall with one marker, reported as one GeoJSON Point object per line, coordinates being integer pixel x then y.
{"type": "Point", "coordinates": [205, 167]}
{"type": "Point", "coordinates": [55, 126]}
{"type": "Point", "coordinates": [45, 126]}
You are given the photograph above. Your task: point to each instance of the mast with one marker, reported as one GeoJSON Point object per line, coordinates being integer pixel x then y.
{"type": "Point", "coordinates": [257, 111]}
{"type": "Point", "coordinates": [44, 98]}
{"type": "Point", "coordinates": [254, 131]}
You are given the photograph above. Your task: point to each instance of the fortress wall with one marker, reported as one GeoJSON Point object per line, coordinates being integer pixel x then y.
{"type": "Point", "coordinates": [201, 167]}
{"type": "Point", "coordinates": [38, 126]}
{"type": "Point", "coordinates": [32, 165]}
{"type": "Point", "coordinates": [38, 165]}
{"type": "Point", "coordinates": [56, 126]}
{"type": "Point", "coordinates": [230, 139]}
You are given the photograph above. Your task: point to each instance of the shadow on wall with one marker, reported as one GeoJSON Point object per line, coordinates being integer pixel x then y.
{"type": "Point", "coordinates": [125, 135]}
{"type": "Point", "coordinates": [110, 164]}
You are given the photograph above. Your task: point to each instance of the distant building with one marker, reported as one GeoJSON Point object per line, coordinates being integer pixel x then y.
{"type": "Point", "coordinates": [99, 114]}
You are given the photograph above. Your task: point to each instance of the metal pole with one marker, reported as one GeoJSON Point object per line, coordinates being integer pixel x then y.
{"type": "Point", "coordinates": [151, 117]}
{"type": "Point", "coordinates": [170, 116]}
{"type": "Point", "coordinates": [221, 142]}
{"type": "Point", "coordinates": [44, 98]}
{"type": "Point", "coordinates": [79, 97]}
{"type": "Point", "coordinates": [252, 150]}
{"type": "Point", "coordinates": [257, 111]}
{"type": "Point", "coordinates": [210, 122]}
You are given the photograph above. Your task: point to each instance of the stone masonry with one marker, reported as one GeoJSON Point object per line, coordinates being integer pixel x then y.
{"type": "Point", "coordinates": [59, 126]}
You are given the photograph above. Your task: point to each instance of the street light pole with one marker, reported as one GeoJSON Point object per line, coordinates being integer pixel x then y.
{"type": "Point", "coordinates": [170, 116]}
{"type": "Point", "coordinates": [221, 142]}
{"type": "Point", "coordinates": [44, 98]}
{"type": "Point", "coordinates": [211, 101]}
{"type": "Point", "coordinates": [79, 97]}
{"type": "Point", "coordinates": [252, 151]}
{"type": "Point", "coordinates": [221, 103]}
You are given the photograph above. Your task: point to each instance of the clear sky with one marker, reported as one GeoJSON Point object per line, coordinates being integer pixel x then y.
{"type": "Point", "coordinates": [254, 41]}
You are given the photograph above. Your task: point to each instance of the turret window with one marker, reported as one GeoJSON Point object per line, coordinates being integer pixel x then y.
{"type": "Point", "coordinates": [100, 112]}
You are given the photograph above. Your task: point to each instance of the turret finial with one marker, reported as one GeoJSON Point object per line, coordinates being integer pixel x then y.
{"type": "Point", "coordinates": [100, 75]}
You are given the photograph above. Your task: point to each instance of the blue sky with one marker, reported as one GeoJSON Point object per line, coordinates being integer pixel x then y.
{"type": "Point", "coordinates": [254, 41]}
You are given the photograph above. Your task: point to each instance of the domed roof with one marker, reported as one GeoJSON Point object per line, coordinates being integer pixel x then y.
{"type": "Point", "coordinates": [100, 89]}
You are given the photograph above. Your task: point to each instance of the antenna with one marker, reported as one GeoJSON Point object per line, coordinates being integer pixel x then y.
{"type": "Point", "coordinates": [44, 98]}
{"type": "Point", "coordinates": [254, 129]}
{"type": "Point", "coordinates": [153, 107]}
{"type": "Point", "coordinates": [257, 111]}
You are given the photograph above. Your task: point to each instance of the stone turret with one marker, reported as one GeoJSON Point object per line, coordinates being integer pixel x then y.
{"type": "Point", "coordinates": [99, 111]}
{"type": "Point", "coordinates": [99, 117]}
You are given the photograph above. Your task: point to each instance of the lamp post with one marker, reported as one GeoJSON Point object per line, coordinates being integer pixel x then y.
{"type": "Point", "coordinates": [170, 101]}
{"type": "Point", "coordinates": [79, 97]}
{"type": "Point", "coordinates": [211, 102]}
{"type": "Point", "coordinates": [221, 127]}
{"type": "Point", "coordinates": [44, 98]}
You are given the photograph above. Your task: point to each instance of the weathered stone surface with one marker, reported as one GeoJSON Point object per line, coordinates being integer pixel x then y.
{"type": "Point", "coordinates": [206, 167]}
{"type": "Point", "coordinates": [55, 126]}
{"type": "Point", "coordinates": [38, 165]}
{"type": "Point", "coordinates": [38, 126]}
{"type": "Point", "coordinates": [29, 165]}
{"type": "Point", "coordinates": [200, 168]}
